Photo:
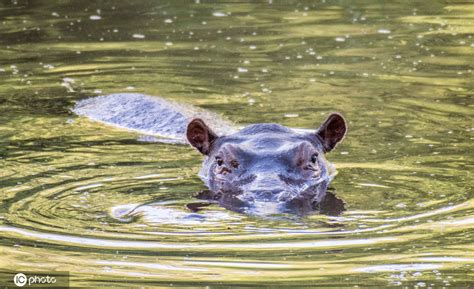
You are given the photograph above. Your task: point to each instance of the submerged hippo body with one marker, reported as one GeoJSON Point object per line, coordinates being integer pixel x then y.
{"type": "Point", "coordinates": [262, 168]}
{"type": "Point", "coordinates": [149, 115]}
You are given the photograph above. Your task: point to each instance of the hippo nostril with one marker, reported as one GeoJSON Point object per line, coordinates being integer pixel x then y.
{"type": "Point", "coordinates": [266, 195]}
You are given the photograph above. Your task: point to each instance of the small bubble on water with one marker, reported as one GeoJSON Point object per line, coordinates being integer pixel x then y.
{"type": "Point", "coordinates": [252, 47]}
{"type": "Point", "coordinates": [67, 83]}
{"type": "Point", "coordinates": [95, 17]}
{"type": "Point", "coordinates": [130, 88]}
{"type": "Point", "coordinates": [68, 80]}
{"type": "Point", "coordinates": [340, 39]}
{"type": "Point", "coordinates": [384, 31]}
{"type": "Point", "coordinates": [219, 14]}
{"type": "Point", "coordinates": [242, 70]}
{"type": "Point", "coordinates": [168, 20]}
{"type": "Point", "coordinates": [138, 36]}
{"type": "Point", "coordinates": [291, 115]}
{"type": "Point", "coordinates": [55, 14]}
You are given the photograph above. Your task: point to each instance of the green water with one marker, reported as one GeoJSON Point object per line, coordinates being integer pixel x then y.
{"type": "Point", "coordinates": [399, 71]}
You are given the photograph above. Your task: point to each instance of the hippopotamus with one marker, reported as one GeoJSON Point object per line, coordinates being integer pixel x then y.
{"type": "Point", "coordinates": [267, 165]}
{"type": "Point", "coordinates": [262, 167]}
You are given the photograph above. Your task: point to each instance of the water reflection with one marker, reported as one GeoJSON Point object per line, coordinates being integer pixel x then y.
{"type": "Point", "coordinates": [330, 205]}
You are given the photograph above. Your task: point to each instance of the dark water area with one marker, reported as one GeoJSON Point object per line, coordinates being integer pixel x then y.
{"type": "Point", "coordinates": [109, 207]}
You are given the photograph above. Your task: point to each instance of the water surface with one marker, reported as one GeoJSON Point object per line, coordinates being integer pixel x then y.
{"type": "Point", "coordinates": [109, 206]}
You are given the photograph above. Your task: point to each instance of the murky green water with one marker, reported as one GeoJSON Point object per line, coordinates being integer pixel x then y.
{"type": "Point", "coordinates": [401, 73]}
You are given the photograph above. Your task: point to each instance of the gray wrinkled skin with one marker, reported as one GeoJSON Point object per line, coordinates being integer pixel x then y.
{"type": "Point", "coordinates": [146, 114]}
{"type": "Point", "coordinates": [267, 168]}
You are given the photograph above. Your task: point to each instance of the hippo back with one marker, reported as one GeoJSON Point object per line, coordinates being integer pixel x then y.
{"type": "Point", "coordinates": [146, 114]}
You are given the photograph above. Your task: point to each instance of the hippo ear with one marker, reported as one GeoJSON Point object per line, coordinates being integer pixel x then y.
{"type": "Point", "coordinates": [200, 135]}
{"type": "Point", "coordinates": [332, 131]}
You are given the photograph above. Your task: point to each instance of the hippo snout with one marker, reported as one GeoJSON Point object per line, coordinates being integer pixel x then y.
{"type": "Point", "coordinates": [266, 195]}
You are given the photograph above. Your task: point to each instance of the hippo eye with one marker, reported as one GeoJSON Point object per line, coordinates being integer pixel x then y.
{"type": "Point", "coordinates": [314, 158]}
{"type": "Point", "coordinates": [219, 161]}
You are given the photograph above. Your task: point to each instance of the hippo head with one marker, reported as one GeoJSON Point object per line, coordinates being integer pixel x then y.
{"type": "Point", "coordinates": [267, 165]}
